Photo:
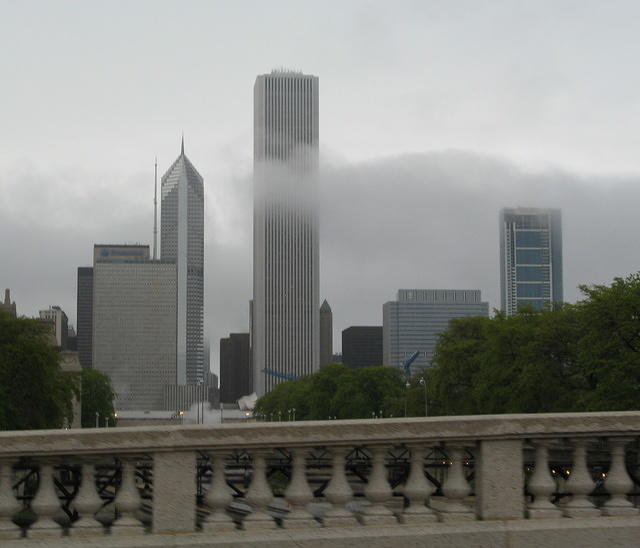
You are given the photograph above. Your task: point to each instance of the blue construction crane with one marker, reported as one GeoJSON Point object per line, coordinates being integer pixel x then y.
{"type": "Point", "coordinates": [406, 364]}
{"type": "Point", "coordinates": [285, 376]}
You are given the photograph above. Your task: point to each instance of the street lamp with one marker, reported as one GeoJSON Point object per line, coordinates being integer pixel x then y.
{"type": "Point", "coordinates": [406, 397]}
{"type": "Point", "coordinates": [423, 383]}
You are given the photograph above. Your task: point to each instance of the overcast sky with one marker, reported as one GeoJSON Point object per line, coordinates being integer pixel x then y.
{"type": "Point", "coordinates": [433, 116]}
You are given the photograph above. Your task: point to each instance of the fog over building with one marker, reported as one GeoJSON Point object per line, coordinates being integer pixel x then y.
{"type": "Point", "coordinates": [134, 324]}
{"type": "Point", "coordinates": [530, 258]}
{"type": "Point", "coordinates": [285, 334]}
{"type": "Point", "coordinates": [182, 242]}
{"type": "Point", "coordinates": [415, 320]}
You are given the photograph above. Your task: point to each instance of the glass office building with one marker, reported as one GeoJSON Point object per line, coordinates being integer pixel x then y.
{"type": "Point", "coordinates": [182, 242]}
{"type": "Point", "coordinates": [530, 258]}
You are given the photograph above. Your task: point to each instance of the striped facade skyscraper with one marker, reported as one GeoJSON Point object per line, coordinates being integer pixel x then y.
{"type": "Point", "coordinates": [530, 258]}
{"type": "Point", "coordinates": [285, 228]}
{"type": "Point", "coordinates": [182, 242]}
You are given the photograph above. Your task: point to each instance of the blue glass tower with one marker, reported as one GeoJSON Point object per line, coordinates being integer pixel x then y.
{"type": "Point", "coordinates": [530, 258]}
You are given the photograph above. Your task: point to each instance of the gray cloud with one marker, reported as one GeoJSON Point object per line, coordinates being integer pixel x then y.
{"type": "Point", "coordinates": [421, 220]}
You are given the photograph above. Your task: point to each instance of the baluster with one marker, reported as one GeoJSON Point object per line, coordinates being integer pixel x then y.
{"type": "Point", "coordinates": [618, 482]}
{"type": "Point", "coordinates": [87, 502]}
{"type": "Point", "coordinates": [219, 496]}
{"type": "Point", "coordinates": [259, 496]}
{"type": "Point", "coordinates": [456, 487]}
{"type": "Point", "coordinates": [580, 484]}
{"type": "Point", "coordinates": [298, 493]}
{"type": "Point", "coordinates": [45, 505]}
{"type": "Point", "coordinates": [418, 490]}
{"type": "Point", "coordinates": [338, 492]}
{"type": "Point", "coordinates": [378, 491]}
{"type": "Point", "coordinates": [127, 502]}
{"type": "Point", "coordinates": [542, 485]}
{"type": "Point", "coordinates": [9, 505]}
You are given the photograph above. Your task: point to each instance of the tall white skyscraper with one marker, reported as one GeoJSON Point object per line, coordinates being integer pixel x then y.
{"type": "Point", "coordinates": [286, 331]}
{"type": "Point", "coordinates": [182, 242]}
{"type": "Point", "coordinates": [530, 258]}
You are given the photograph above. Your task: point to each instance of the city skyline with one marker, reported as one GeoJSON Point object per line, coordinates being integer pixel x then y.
{"type": "Point", "coordinates": [529, 126]}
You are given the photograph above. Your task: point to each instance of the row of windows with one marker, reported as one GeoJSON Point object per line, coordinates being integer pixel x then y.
{"type": "Point", "coordinates": [539, 290]}
{"type": "Point", "coordinates": [532, 273]}
{"type": "Point", "coordinates": [532, 256]}
{"type": "Point", "coordinates": [532, 238]}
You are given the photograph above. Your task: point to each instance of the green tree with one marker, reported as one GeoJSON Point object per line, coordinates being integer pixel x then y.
{"type": "Point", "coordinates": [34, 391]}
{"type": "Point", "coordinates": [335, 391]}
{"type": "Point", "coordinates": [609, 347]}
{"type": "Point", "coordinates": [97, 398]}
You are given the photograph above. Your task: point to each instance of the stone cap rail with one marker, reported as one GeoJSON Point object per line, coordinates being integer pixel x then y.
{"type": "Point", "coordinates": [140, 439]}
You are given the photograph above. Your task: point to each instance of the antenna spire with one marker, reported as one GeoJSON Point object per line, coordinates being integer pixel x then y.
{"type": "Point", "coordinates": [155, 209]}
{"type": "Point", "coordinates": [182, 147]}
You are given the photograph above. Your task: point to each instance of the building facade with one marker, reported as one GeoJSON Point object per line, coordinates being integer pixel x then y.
{"type": "Point", "coordinates": [326, 333]}
{"type": "Point", "coordinates": [286, 332]}
{"type": "Point", "coordinates": [362, 345]}
{"type": "Point", "coordinates": [415, 320]}
{"type": "Point", "coordinates": [182, 242]}
{"type": "Point", "coordinates": [134, 324]}
{"type": "Point", "coordinates": [530, 258]}
{"type": "Point", "coordinates": [84, 315]}
{"type": "Point", "coordinates": [236, 376]}
{"type": "Point", "coordinates": [59, 324]}
{"type": "Point", "coordinates": [7, 305]}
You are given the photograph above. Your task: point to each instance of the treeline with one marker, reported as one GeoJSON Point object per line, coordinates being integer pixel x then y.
{"type": "Point", "coordinates": [581, 357]}
{"type": "Point", "coordinates": [35, 393]}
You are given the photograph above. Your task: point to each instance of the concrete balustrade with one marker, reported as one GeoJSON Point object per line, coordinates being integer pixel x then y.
{"type": "Point", "coordinates": [402, 485]}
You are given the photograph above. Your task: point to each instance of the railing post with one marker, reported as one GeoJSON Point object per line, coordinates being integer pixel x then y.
{"type": "Point", "coordinates": [259, 495]}
{"type": "Point", "coordinates": [219, 496]}
{"type": "Point", "coordinates": [500, 480]}
{"type": "Point", "coordinates": [174, 492]}
{"type": "Point", "coordinates": [456, 487]}
{"type": "Point", "coordinates": [418, 490]}
{"type": "Point", "coordinates": [9, 505]}
{"type": "Point", "coordinates": [542, 485]}
{"type": "Point", "coordinates": [87, 502]}
{"type": "Point", "coordinates": [127, 501]}
{"type": "Point", "coordinates": [579, 484]}
{"type": "Point", "coordinates": [298, 493]}
{"type": "Point", "coordinates": [378, 491]}
{"type": "Point", "coordinates": [338, 492]}
{"type": "Point", "coordinates": [619, 483]}
{"type": "Point", "coordinates": [45, 505]}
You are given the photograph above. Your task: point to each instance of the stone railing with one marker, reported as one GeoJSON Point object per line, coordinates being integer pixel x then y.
{"type": "Point", "coordinates": [395, 473]}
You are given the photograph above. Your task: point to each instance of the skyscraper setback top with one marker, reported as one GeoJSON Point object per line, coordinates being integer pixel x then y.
{"type": "Point", "coordinates": [182, 242]}
{"type": "Point", "coordinates": [285, 228]}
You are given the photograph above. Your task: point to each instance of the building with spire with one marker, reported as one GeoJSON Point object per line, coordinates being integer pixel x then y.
{"type": "Point", "coordinates": [326, 333]}
{"type": "Point", "coordinates": [182, 242]}
{"type": "Point", "coordinates": [286, 334]}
